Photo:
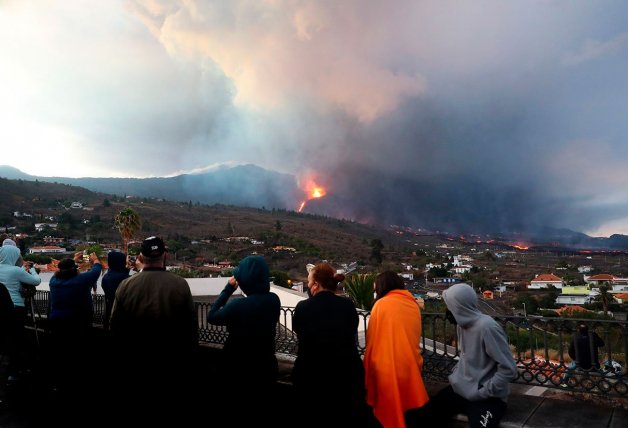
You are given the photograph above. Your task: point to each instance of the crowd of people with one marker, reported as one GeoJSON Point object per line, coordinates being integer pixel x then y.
{"type": "Point", "coordinates": [151, 324]}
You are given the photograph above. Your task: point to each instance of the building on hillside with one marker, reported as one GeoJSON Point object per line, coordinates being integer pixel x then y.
{"type": "Point", "coordinates": [577, 295]}
{"type": "Point", "coordinates": [461, 260]}
{"type": "Point", "coordinates": [46, 249]}
{"type": "Point", "coordinates": [584, 269]}
{"type": "Point", "coordinates": [446, 280]}
{"type": "Point", "coordinates": [544, 280]}
{"type": "Point", "coordinates": [599, 279]}
{"type": "Point", "coordinates": [617, 284]}
{"type": "Point", "coordinates": [41, 226]}
{"type": "Point", "coordinates": [280, 248]}
{"type": "Point", "coordinates": [460, 269]}
{"type": "Point", "coordinates": [76, 205]}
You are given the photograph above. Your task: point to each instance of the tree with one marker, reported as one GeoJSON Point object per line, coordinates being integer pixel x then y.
{"type": "Point", "coordinates": [376, 251]}
{"type": "Point", "coordinates": [604, 297]}
{"type": "Point", "coordinates": [280, 278]}
{"type": "Point", "coordinates": [127, 222]}
{"type": "Point", "coordinates": [277, 225]}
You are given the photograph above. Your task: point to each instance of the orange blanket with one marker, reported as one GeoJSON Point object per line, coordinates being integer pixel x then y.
{"type": "Point", "coordinates": [392, 360]}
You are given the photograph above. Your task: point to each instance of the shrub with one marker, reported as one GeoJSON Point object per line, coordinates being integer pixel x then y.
{"type": "Point", "coordinates": [359, 287]}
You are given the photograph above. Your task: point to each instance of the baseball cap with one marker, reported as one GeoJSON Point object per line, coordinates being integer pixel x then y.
{"type": "Point", "coordinates": [153, 247]}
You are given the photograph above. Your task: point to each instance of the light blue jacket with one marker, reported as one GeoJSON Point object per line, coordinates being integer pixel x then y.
{"type": "Point", "coordinates": [13, 276]}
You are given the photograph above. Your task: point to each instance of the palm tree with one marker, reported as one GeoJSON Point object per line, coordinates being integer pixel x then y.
{"type": "Point", "coordinates": [605, 297]}
{"type": "Point", "coordinates": [359, 287]}
{"type": "Point", "coordinates": [128, 222]}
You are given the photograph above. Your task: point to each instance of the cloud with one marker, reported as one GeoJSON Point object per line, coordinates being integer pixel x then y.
{"type": "Point", "coordinates": [484, 114]}
{"type": "Point", "coordinates": [593, 49]}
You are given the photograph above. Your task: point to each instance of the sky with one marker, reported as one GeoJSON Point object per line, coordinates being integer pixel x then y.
{"type": "Point", "coordinates": [505, 115]}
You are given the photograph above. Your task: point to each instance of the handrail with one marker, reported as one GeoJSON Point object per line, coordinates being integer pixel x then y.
{"type": "Point", "coordinates": [539, 346]}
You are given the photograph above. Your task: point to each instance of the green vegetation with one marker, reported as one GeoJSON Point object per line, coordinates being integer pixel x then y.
{"type": "Point", "coordinates": [359, 287]}
{"type": "Point", "coordinates": [127, 222]}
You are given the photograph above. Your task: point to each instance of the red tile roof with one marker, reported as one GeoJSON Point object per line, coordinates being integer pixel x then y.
{"type": "Point", "coordinates": [601, 277]}
{"type": "Point", "coordinates": [546, 277]}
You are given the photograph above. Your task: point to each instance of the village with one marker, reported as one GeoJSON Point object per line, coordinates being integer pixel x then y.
{"type": "Point", "coordinates": [512, 279]}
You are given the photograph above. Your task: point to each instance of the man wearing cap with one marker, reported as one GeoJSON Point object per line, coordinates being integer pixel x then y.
{"type": "Point", "coordinates": [153, 322]}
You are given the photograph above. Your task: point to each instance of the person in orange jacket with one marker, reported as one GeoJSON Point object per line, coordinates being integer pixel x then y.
{"type": "Point", "coordinates": [393, 360]}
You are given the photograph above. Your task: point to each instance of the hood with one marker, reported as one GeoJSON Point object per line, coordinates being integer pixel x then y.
{"type": "Point", "coordinates": [9, 255]}
{"type": "Point", "coordinates": [462, 301]}
{"type": "Point", "coordinates": [253, 275]}
{"type": "Point", "coordinates": [116, 261]}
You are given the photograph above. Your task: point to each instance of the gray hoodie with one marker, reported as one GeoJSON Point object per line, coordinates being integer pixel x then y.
{"type": "Point", "coordinates": [486, 365]}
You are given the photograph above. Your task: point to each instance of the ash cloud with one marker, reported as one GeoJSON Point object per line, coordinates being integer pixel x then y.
{"type": "Point", "coordinates": [484, 115]}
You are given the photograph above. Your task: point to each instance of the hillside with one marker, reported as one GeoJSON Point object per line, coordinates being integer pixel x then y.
{"type": "Point", "coordinates": [198, 234]}
{"type": "Point", "coordinates": [195, 231]}
{"type": "Point", "coordinates": [252, 186]}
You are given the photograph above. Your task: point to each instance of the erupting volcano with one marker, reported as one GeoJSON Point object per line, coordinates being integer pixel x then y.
{"type": "Point", "coordinates": [312, 191]}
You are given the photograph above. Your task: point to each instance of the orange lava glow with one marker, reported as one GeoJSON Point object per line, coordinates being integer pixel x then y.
{"type": "Point", "coordinates": [312, 191]}
{"type": "Point", "coordinates": [521, 246]}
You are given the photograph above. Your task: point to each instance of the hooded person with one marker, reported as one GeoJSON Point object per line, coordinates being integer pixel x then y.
{"type": "Point", "coordinates": [479, 384]}
{"type": "Point", "coordinates": [10, 242]}
{"type": "Point", "coordinates": [116, 273]}
{"type": "Point", "coordinates": [251, 323]}
{"type": "Point", "coordinates": [13, 276]}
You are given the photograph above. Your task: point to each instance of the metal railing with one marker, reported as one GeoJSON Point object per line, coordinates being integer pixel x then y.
{"type": "Point", "coordinates": [539, 346]}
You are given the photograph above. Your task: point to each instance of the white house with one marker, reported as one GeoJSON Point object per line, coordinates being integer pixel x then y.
{"type": "Point", "coordinates": [461, 260]}
{"type": "Point", "coordinates": [599, 279]}
{"type": "Point", "coordinates": [76, 205]}
{"type": "Point", "coordinates": [617, 284]}
{"type": "Point", "coordinates": [544, 281]}
{"type": "Point", "coordinates": [46, 249]}
{"type": "Point", "coordinates": [584, 269]}
{"type": "Point", "coordinates": [41, 226]}
{"type": "Point", "coordinates": [568, 299]}
{"type": "Point", "coordinates": [461, 268]}
{"type": "Point", "coordinates": [577, 295]}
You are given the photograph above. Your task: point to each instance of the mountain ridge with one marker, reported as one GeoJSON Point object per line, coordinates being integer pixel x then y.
{"type": "Point", "coordinates": [253, 186]}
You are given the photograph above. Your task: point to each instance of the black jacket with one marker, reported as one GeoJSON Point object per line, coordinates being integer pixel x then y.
{"type": "Point", "coordinates": [580, 349]}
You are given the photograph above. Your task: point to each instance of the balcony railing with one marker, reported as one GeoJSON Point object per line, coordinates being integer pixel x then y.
{"type": "Point", "coordinates": [539, 346]}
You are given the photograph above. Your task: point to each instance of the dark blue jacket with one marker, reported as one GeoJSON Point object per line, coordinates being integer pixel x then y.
{"type": "Point", "coordinates": [116, 273]}
{"type": "Point", "coordinates": [71, 298]}
{"type": "Point", "coordinates": [251, 321]}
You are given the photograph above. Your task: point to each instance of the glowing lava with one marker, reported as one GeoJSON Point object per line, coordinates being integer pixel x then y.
{"type": "Point", "coordinates": [313, 191]}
